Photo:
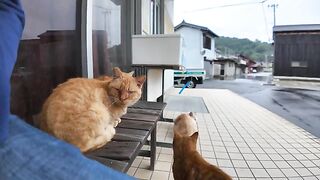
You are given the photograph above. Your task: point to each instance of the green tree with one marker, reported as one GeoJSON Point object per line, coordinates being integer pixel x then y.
{"type": "Point", "coordinates": [255, 50]}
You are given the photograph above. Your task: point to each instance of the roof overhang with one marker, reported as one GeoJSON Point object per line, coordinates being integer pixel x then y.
{"type": "Point", "coordinates": [297, 28]}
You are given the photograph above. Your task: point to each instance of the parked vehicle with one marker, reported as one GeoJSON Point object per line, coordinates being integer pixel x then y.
{"type": "Point", "coordinates": [194, 76]}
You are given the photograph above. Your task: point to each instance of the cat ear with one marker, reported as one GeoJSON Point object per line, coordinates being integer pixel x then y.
{"type": "Point", "coordinates": [140, 80]}
{"type": "Point", "coordinates": [131, 73]}
{"type": "Point", "coordinates": [117, 73]}
{"type": "Point", "coordinates": [194, 136]}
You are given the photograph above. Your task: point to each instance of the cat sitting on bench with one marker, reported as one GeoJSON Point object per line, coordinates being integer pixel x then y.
{"type": "Point", "coordinates": [84, 112]}
{"type": "Point", "coordinates": [188, 163]}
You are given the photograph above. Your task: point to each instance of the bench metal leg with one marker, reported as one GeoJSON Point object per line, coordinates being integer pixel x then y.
{"type": "Point", "coordinates": [153, 148]}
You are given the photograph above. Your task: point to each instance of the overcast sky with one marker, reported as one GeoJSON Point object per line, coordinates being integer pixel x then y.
{"type": "Point", "coordinates": [245, 18]}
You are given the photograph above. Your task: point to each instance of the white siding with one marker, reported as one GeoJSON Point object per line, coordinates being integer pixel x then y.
{"type": "Point", "coordinates": [154, 84]}
{"type": "Point", "coordinates": [154, 87]}
{"type": "Point", "coordinates": [217, 68]}
{"type": "Point", "coordinates": [229, 69]}
{"type": "Point", "coordinates": [146, 16]}
{"type": "Point", "coordinates": [209, 69]}
{"type": "Point", "coordinates": [211, 53]}
{"type": "Point", "coordinates": [192, 46]}
{"type": "Point", "coordinates": [168, 79]}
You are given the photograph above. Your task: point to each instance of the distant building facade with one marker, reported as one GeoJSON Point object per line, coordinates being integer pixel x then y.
{"type": "Point", "coordinates": [297, 51]}
{"type": "Point", "coordinates": [199, 47]}
{"type": "Point", "coordinates": [226, 67]}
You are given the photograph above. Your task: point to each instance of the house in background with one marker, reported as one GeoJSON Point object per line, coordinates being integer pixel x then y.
{"type": "Point", "coordinates": [228, 67]}
{"type": "Point", "coordinates": [251, 65]}
{"type": "Point", "coordinates": [198, 47]}
{"type": "Point", "coordinates": [297, 51]}
{"type": "Point", "coordinates": [232, 66]}
{"type": "Point", "coordinates": [297, 56]}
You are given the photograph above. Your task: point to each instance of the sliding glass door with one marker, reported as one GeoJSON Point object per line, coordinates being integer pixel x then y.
{"type": "Point", "coordinates": [49, 53]}
{"type": "Point", "coordinates": [66, 39]}
{"type": "Point", "coordinates": [111, 36]}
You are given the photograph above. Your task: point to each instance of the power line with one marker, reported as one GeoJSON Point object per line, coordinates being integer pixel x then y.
{"type": "Point", "coordinates": [227, 5]}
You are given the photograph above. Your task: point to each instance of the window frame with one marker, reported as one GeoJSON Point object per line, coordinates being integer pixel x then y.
{"type": "Point", "coordinates": [133, 25]}
{"type": "Point", "coordinates": [207, 41]}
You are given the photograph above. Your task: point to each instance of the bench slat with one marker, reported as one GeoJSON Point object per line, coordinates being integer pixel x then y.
{"type": "Point", "coordinates": [150, 105]}
{"type": "Point", "coordinates": [136, 124]}
{"type": "Point", "coordinates": [144, 111]}
{"type": "Point", "coordinates": [140, 117]}
{"type": "Point", "coordinates": [114, 164]}
{"type": "Point", "coordinates": [124, 134]}
{"type": "Point", "coordinates": [131, 134]}
{"type": "Point", "coordinates": [123, 151]}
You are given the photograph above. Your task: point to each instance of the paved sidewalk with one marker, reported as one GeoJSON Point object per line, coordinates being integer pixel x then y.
{"type": "Point", "coordinates": [241, 137]}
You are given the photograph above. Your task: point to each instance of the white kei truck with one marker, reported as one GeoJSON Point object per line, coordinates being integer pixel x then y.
{"type": "Point", "coordinates": [195, 77]}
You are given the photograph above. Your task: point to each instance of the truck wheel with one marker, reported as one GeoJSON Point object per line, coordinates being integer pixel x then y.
{"type": "Point", "coordinates": [192, 84]}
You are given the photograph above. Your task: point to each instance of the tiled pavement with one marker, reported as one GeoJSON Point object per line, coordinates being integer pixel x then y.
{"type": "Point", "coordinates": [244, 139]}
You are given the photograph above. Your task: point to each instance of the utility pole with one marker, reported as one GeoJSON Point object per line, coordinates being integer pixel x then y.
{"type": "Point", "coordinates": [274, 6]}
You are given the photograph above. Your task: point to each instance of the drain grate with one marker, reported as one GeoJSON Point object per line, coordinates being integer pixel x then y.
{"type": "Point", "coordinates": [186, 104]}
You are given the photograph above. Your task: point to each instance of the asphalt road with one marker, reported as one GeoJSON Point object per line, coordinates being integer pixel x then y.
{"type": "Point", "coordinates": [300, 106]}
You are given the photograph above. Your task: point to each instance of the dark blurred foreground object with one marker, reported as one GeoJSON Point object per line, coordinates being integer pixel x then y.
{"type": "Point", "coordinates": [29, 153]}
{"type": "Point", "coordinates": [25, 152]}
{"type": "Point", "coordinates": [11, 26]}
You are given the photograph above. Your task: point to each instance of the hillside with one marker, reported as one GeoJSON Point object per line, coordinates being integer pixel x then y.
{"type": "Point", "coordinates": [255, 50]}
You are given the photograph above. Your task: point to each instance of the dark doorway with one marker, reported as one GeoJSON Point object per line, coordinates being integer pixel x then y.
{"type": "Point", "coordinates": [222, 70]}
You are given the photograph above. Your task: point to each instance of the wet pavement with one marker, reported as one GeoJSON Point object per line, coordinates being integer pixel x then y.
{"type": "Point", "coordinates": [299, 106]}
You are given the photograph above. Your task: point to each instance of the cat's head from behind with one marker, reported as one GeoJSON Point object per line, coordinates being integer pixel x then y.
{"type": "Point", "coordinates": [124, 88]}
{"type": "Point", "coordinates": [185, 143]}
{"type": "Point", "coordinates": [189, 115]}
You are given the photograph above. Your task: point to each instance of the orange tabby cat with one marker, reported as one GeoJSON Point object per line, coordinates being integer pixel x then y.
{"type": "Point", "coordinates": [185, 124]}
{"type": "Point", "coordinates": [84, 111]}
{"type": "Point", "coordinates": [188, 163]}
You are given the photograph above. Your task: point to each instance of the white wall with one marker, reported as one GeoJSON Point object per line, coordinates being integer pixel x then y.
{"type": "Point", "coordinates": [217, 68]}
{"type": "Point", "coordinates": [154, 82]}
{"type": "Point", "coordinates": [229, 69]}
{"type": "Point", "coordinates": [192, 46]}
{"type": "Point", "coordinates": [168, 79]}
{"type": "Point", "coordinates": [168, 16]}
{"type": "Point", "coordinates": [238, 71]}
{"type": "Point", "coordinates": [211, 53]}
{"type": "Point", "coordinates": [168, 28]}
{"type": "Point", "coordinates": [209, 69]}
{"type": "Point", "coordinates": [145, 16]}
{"type": "Point", "coordinates": [154, 87]}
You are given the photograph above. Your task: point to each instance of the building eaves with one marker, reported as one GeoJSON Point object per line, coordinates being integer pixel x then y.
{"type": "Point", "coordinates": [201, 28]}
{"type": "Point", "coordinates": [297, 28]}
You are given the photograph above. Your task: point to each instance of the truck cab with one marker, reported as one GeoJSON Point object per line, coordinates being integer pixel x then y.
{"type": "Point", "coordinates": [194, 76]}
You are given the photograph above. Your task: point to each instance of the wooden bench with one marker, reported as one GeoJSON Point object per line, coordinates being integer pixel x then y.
{"type": "Point", "coordinates": [132, 133]}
